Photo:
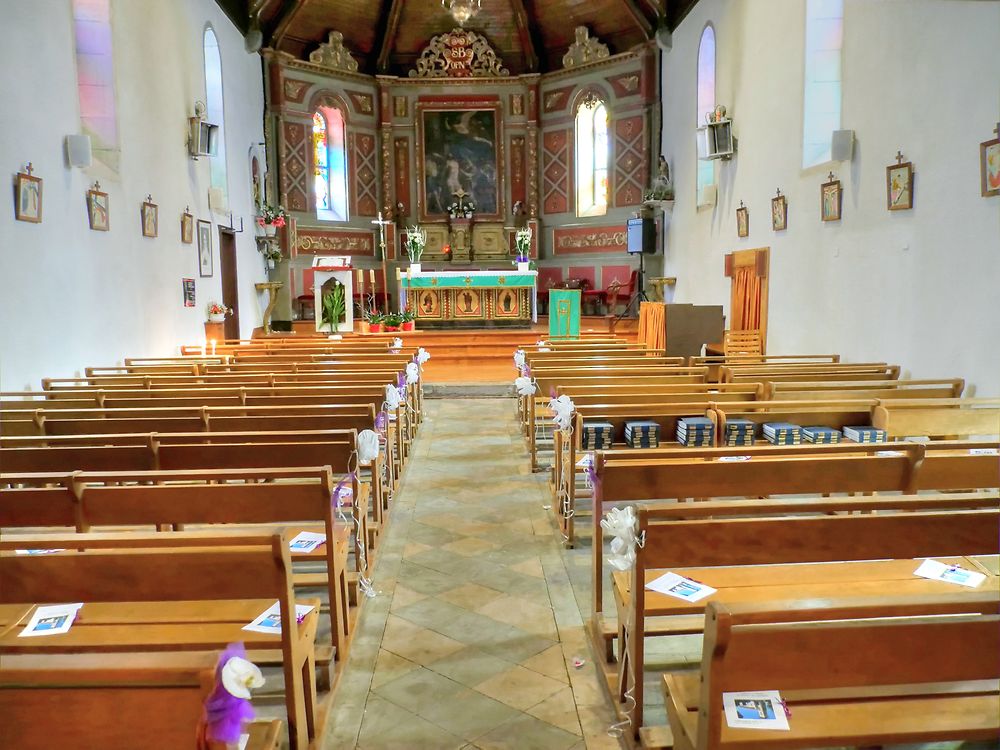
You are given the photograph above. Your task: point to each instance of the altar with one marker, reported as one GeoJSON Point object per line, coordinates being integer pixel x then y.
{"type": "Point", "coordinates": [470, 298]}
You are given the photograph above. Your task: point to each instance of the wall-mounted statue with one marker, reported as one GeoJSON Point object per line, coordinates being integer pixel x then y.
{"type": "Point", "coordinates": [662, 188]}
{"type": "Point", "coordinates": [400, 215]}
{"type": "Point", "coordinates": [520, 215]}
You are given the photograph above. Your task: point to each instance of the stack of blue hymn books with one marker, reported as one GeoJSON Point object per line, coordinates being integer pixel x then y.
{"type": "Point", "coordinates": [642, 434]}
{"type": "Point", "coordinates": [597, 435]}
{"type": "Point", "coordinates": [695, 432]}
{"type": "Point", "coordinates": [782, 433]}
{"type": "Point", "coordinates": [740, 432]}
{"type": "Point", "coordinates": [821, 435]}
{"type": "Point", "coordinates": [864, 435]}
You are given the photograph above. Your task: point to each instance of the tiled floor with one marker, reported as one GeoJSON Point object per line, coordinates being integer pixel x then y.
{"type": "Point", "coordinates": [471, 640]}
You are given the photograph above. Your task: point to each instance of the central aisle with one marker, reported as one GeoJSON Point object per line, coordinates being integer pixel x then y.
{"type": "Point", "coordinates": [471, 640]}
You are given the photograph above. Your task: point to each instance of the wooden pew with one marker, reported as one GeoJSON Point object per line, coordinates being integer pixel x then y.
{"type": "Point", "coordinates": [939, 417]}
{"type": "Point", "coordinates": [847, 390]}
{"type": "Point", "coordinates": [807, 372]}
{"type": "Point", "coordinates": [153, 599]}
{"type": "Point", "coordinates": [155, 700]}
{"type": "Point", "coordinates": [707, 548]}
{"type": "Point", "coordinates": [836, 414]}
{"type": "Point", "coordinates": [927, 671]}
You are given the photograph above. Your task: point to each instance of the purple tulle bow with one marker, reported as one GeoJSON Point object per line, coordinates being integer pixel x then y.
{"type": "Point", "coordinates": [339, 489]}
{"type": "Point", "coordinates": [416, 359]}
{"type": "Point", "coordinates": [591, 473]}
{"type": "Point", "coordinates": [552, 394]}
{"type": "Point", "coordinates": [225, 714]}
{"type": "Point", "coordinates": [381, 420]}
{"type": "Point", "coordinates": [400, 380]}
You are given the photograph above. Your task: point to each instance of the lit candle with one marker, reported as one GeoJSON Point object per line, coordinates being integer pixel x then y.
{"type": "Point", "coordinates": [358, 275]}
{"type": "Point", "coordinates": [203, 350]}
{"type": "Point", "coordinates": [212, 342]}
{"type": "Point", "coordinates": [371, 275]}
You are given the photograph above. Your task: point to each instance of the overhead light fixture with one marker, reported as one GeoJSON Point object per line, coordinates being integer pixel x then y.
{"type": "Point", "coordinates": [462, 10]}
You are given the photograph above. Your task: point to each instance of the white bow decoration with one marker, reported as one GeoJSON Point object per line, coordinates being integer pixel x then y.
{"type": "Point", "coordinates": [422, 355]}
{"type": "Point", "coordinates": [367, 446]}
{"type": "Point", "coordinates": [621, 525]}
{"type": "Point", "coordinates": [412, 373]}
{"type": "Point", "coordinates": [392, 397]}
{"type": "Point", "coordinates": [397, 343]}
{"type": "Point", "coordinates": [563, 408]}
{"type": "Point", "coordinates": [239, 676]}
{"type": "Point", "coordinates": [519, 359]}
{"type": "Point", "coordinates": [524, 386]}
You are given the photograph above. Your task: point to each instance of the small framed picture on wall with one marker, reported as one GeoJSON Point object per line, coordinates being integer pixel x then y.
{"type": "Point", "coordinates": [779, 213]}
{"type": "Point", "coordinates": [187, 286]}
{"type": "Point", "coordinates": [187, 227]}
{"type": "Point", "coordinates": [149, 213]}
{"type": "Point", "coordinates": [899, 184]}
{"type": "Point", "coordinates": [989, 165]}
{"type": "Point", "coordinates": [98, 209]}
{"type": "Point", "coordinates": [28, 196]}
{"type": "Point", "coordinates": [205, 263]}
{"type": "Point", "coordinates": [830, 199]}
{"type": "Point", "coordinates": [742, 220]}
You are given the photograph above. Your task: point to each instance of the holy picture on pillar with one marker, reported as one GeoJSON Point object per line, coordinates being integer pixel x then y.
{"type": "Point", "coordinates": [150, 219]}
{"type": "Point", "coordinates": [28, 196]}
{"type": "Point", "coordinates": [187, 228]}
{"type": "Point", "coordinates": [205, 257]}
{"type": "Point", "coordinates": [187, 286]}
{"type": "Point", "coordinates": [989, 166]}
{"type": "Point", "coordinates": [98, 210]}
{"type": "Point", "coordinates": [899, 186]}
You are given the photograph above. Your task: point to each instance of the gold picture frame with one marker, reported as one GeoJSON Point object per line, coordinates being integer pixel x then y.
{"type": "Point", "coordinates": [899, 185]}
{"type": "Point", "coordinates": [187, 228]}
{"type": "Point", "coordinates": [831, 200]}
{"type": "Point", "coordinates": [28, 196]}
{"type": "Point", "coordinates": [779, 213]}
{"type": "Point", "coordinates": [149, 214]}
{"type": "Point", "coordinates": [742, 221]}
{"type": "Point", "coordinates": [989, 165]}
{"type": "Point", "coordinates": [98, 209]}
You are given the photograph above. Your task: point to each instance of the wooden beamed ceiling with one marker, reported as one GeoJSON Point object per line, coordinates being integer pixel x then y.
{"type": "Point", "coordinates": [386, 36]}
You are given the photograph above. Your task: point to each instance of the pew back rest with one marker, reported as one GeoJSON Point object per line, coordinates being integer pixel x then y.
{"type": "Point", "coordinates": [939, 417]}
{"type": "Point", "coordinates": [877, 389]}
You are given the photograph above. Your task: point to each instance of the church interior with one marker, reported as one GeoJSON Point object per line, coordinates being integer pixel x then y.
{"type": "Point", "coordinates": [543, 375]}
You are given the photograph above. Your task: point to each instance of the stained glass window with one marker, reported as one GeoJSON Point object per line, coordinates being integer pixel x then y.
{"type": "Point", "coordinates": [95, 78]}
{"type": "Point", "coordinates": [215, 112]}
{"type": "Point", "coordinates": [330, 164]}
{"type": "Point", "coordinates": [706, 99]}
{"type": "Point", "coordinates": [822, 95]}
{"type": "Point", "coordinates": [592, 152]}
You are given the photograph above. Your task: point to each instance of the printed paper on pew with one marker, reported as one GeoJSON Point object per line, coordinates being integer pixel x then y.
{"type": "Point", "coordinates": [586, 462]}
{"type": "Point", "coordinates": [759, 710]}
{"type": "Point", "coordinates": [306, 541]}
{"type": "Point", "coordinates": [269, 621]}
{"type": "Point", "coordinates": [938, 571]}
{"type": "Point", "coordinates": [51, 620]}
{"type": "Point", "coordinates": [672, 584]}
{"type": "Point", "coordinates": [732, 459]}
{"type": "Point", "coordinates": [984, 451]}
{"type": "Point", "coordinates": [244, 739]}
{"type": "Point", "coordinates": [38, 551]}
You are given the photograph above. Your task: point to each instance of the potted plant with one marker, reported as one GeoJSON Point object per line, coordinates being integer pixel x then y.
{"type": "Point", "coordinates": [470, 208]}
{"type": "Point", "coordinates": [416, 240]}
{"type": "Point", "coordinates": [408, 321]}
{"type": "Point", "coordinates": [334, 307]}
{"type": "Point", "coordinates": [375, 322]}
{"type": "Point", "coordinates": [271, 219]}
{"type": "Point", "coordinates": [271, 253]}
{"type": "Point", "coordinates": [522, 245]}
{"type": "Point", "coordinates": [217, 313]}
{"type": "Point", "coordinates": [392, 322]}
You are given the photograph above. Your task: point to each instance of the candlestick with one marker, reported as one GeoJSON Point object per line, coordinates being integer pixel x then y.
{"type": "Point", "coordinates": [371, 275]}
{"type": "Point", "coordinates": [212, 342]}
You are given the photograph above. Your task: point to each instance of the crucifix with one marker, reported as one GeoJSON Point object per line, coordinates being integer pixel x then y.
{"type": "Point", "coordinates": [831, 178]}
{"type": "Point", "coordinates": [461, 195]}
{"type": "Point", "coordinates": [899, 157]}
{"type": "Point", "coordinates": [382, 224]}
{"type": "Point", "coordinates": [29, 169]}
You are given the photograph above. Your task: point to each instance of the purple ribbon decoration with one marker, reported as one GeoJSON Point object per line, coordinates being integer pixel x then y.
{"type": "Point", "coordinates": [552, 394]}
{"type": "Point", "coordinates": [339, 489]}
{"type": "Point", "coordinates": [381, 420]}
{"type": "Point", "coordinates": [225, 714]}
{"type": "Point", "coordinates": [400, 381]}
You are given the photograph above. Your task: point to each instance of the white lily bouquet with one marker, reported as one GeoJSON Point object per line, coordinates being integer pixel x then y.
{"type": "Point", "coordinates": [522, 244]}
{"type": "Point", "coordinates": [416, 241]}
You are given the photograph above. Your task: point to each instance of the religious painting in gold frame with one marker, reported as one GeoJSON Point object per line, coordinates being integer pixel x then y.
{"type": "Point", "coordinates": [899, 185]}
{"type": "Point", "coordinates": [428, 303]}
{"type": "Point", "coordinates": [468, 304]}
{"type": "Point", "coordinates": [28, 197]}
{"type": "Point", "coordinates": [508, 303]}
{"type": "Point", "coordinates": [187, 228]}
{"type": "Point", "coordinates": [149, 213]}
{"type": "Point", "coordinates": [830, 200]}
{"type": "Point", "coordinates": [460, 149]}
{"type": "Point", "coordinates": [779, 213]}
{"type": "Point", "coordinates": [989, 165]}
{"type": "Point", "coordinates": [98, 209]}
{"type": "Point", "coordinates": [742, 221]}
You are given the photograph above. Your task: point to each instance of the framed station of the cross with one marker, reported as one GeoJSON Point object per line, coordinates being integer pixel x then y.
{"type": "Point", "coordinates": [460, 153]}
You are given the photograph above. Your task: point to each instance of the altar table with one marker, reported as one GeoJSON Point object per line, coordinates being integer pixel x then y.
{"type": "Point", "coordinates": [470, 297]}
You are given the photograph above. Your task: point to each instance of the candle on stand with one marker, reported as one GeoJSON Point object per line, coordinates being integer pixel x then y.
{"type": "Point", "coordinates": [371, 275]}
{"type": "Point", "coordinates": [212, 342]}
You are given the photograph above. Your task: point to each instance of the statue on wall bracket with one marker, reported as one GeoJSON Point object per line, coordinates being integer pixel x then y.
{"type": "Point", "coordinates": [459, 53]}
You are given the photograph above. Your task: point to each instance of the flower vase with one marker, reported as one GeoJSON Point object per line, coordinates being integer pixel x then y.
{"type": "Point", "coordinates": [374, 328]}
{"type": "Point", "coordinates": [270, 230]}
{"type": "Point", "coordinates": [414, 267]}
{"type": "Point", "coordinates": [217, 318]}
{"type": "Point", "coordinates": [523, 266]}
{"type": "Point", "coordinates": [270, 264]}
{"type": "Point", "coordinates": [409, 325]}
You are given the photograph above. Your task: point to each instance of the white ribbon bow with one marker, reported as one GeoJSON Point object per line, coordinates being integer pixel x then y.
{"type": "Point", "coordinates": [412, 373]}
{"type": "Point", "coordinates": [524, 386]}
{"type": "Point", "coordinates": [621, 524]}
{"type": "Point", "coordinates": [422, 355]}
{"type": "Point", "coordinates": [367, 446]}
{"type": "Point", "coordinates": [519, 359]}
{"type": "Point", "coordinates": [392, 397]}
{"type": "Point", "coordinates": [397, 343]}
{"type": "Point", "coordinates": [563, 408]}
{"type": "Point", "coordinates": [239, 676]}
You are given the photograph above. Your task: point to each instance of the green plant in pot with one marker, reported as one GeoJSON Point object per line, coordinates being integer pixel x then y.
{"type": "Point", "coordinates": [375, 320]}
{"type": "Point", "coordinates": [334, 307]}
{"type": "Point", "coordinates": [408, 321]}
{"type": "Point", "coordinates": [392, 322]}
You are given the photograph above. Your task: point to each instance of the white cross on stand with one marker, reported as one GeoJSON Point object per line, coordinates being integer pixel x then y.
{"type": "Point", "coordinates": [382, 224]}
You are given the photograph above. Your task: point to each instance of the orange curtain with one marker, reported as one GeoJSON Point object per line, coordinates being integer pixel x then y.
{"type": "Point", "coordinates": [653, 325]}
{"type": "Point", "coordinates": [746, 299]}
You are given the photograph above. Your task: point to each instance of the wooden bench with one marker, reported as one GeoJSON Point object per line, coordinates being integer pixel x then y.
{"type": "Point", "coordinates": [848, 390]}
{"type": "Point", "coordinates": [939, 417]}
{"type": "Point", "coordinates": [714, 361]}
{"type": "Point", "coordinates": [152, 700]}
{"type": "Point", "coordinates": [154, 599]}
{"type": "Point", "coordinates": [899, 670]}
{"type": "Point", "coordinates": [808, 372]}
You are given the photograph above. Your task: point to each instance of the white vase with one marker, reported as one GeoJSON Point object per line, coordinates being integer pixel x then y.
{"type": "Point", "coordinates": [217, 318]}
{"type": "Point", "coordinates": [270, 230]}
{"type": "Point", "coordinates": [414, 267]}
{"type": "Point", "coordinates": [523, 267]}
{"type": "Point", "coordinates": [270, 264]}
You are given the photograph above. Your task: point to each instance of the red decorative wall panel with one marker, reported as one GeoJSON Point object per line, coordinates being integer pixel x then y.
{"type": "Point", "coordinates": [557, 173]}
{"type": "Point", "coordinates": [365, 173]}
{"type": "Point", "coordinates": [518, 192]}
{"type": "Point", "coordinates": [296, 166]}
{"type": "Point", "coordinates": [401, 154]}
{"type": "Point", "coordinates": [630, 161]}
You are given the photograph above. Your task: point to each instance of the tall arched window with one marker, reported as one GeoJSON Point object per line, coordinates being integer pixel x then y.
{"type": "Point", "coordinates": [95, 78]}
{"type": "Point", "coordinates": [706, 99]}
{"type": "Point", "coordinates": [592, 158]}
{"type": "Point", "coordinates": [215, 112]}
{"type": "Point", "coordinates": [330, 163]}
{"type": "Point", "coordinates": [822, 96]}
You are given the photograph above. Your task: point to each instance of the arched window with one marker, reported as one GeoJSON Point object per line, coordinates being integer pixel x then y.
{"type": "Point", "coordinates": [706, 99]}
{"type": "Point", "coordinates": [215, 113]}
{"type": "Point", "coordinates": [95, 78]}
{"type": "Point", "coordinates": [330, 163]}
{"type": "Point", "coordinates": [822, 95]}
{"type": "Point", "coordinates": [592, 158]}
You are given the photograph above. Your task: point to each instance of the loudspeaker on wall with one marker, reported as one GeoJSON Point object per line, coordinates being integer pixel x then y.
{"type": "Point", "coordinates": [842, 145]}
{"type": "Point", "coordinates": [78, 152]}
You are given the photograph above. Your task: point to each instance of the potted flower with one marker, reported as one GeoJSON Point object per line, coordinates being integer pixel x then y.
{"type": "Point", "coordinates": [392, 322]}
{"type": "Point", "coordinates": [522, 245]}
{"type": "Point", "coordinates": [217, 313]}
{"type": "Point", "coordinates": [408, 321]}
{"type": "Point", "coordinates": [375, 322]}
{"type": "Point", "coordinates": [271, 219]}
{"type": "Point", "coordinates": [416, 241]}
{"type": "Point", "coordinates": [334, 307]}
{"type": "Point", "coordinates": [271, 253]}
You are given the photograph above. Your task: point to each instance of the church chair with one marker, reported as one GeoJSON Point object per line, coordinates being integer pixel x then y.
{"type": "Point", "coordinates": [746, 342]}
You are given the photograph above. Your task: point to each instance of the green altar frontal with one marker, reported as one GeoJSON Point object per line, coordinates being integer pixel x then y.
{"type": "Point", "coordinates": [471, 297]}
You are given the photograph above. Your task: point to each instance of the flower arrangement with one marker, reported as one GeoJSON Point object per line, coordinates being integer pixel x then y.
{"type": "Point", "coordinates": [416, 241]}
{"type": "Point", "coordinates": [392, 322]}
{"type": "Point", "coordinates": [334, 307]}
{"type": "Point", "coordinates": [407, 320]}
{"type": "Point", "coordinates": [216, 312]}
{"type": "Point", "coordinates": [271, 253]}
{"type": "Point", "coordinates": [458, 210]}
{"type": "Point", "coordinates": [522, 244]}
{"type": "Point", "coordinates": [272, 216]}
